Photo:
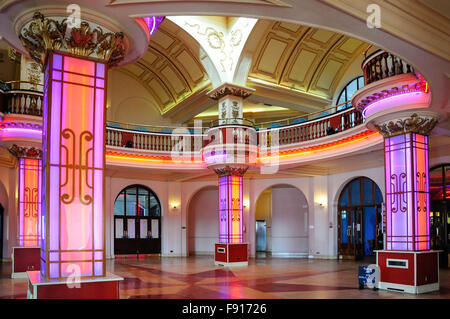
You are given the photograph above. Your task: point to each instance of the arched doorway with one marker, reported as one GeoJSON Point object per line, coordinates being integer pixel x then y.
{"type": "Point", "coordinates": [137, 221]}
{"type": "Point", "coordinates": [203, 221]}
{"type": "Point", "coordinates": [281, 216]}
{"type": "Point", "coordinates": [440, 211]}
{"type": "Point", "coordinates": [359, 219]}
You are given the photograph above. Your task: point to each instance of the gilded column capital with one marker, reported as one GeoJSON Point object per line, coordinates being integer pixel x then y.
{"type": "Point", "coordinates": [230, 89]}
{"type": "Point", "coordinates": [42, 34]}
{"type": "Point", "coordinates": [420, 124]}
{"type": "Point", "coordinates": [229, 170]}
{"type": "Point", "coordinates": [25, 152]}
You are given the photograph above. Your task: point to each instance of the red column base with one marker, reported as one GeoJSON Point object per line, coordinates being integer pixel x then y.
{"type": "Point", "coordinates": [231, 254]}
{"type": "Point", "coordinates": [25, 259]}
{"type": "Point", "coordinates": [85, 288]}
{"type": "Point", "coordinates": [408, 271]}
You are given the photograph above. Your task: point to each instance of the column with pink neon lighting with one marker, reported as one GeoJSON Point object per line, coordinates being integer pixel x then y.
{"type": "Point", "coordinates": [407, 196]}
{"type": "Point", "coordinates": [73, 164]}
{"type": "Point", "coordinates": [29, 212]}
{"type": "Point", "coordinates": [230, 209]}
{"type": "Point", "coordinates": [26, 254]}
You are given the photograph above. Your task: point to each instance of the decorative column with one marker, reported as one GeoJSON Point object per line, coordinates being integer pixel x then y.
{"type": "Point", "coordinates": [75, 67]}
{"type": "Point", "coordinates": [402, 116]}
{"type": "Point", "coordinates": [231, 150]}
{"type": "Point", "coordinates": [230, 99]}
{"type": "Point", "coordinates": [26, 255]}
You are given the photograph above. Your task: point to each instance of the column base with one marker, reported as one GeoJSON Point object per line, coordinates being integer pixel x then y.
{"type": "Point", "coordinates": [25, 259]}
{"type": "Point", "coordinates": [413, 272]}
{"type": "Point", "coordinates": [231, 255]}
{"type": "Point", "coordinates": [106, 287]}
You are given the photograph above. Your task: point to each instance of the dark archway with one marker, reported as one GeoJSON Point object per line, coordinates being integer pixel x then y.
{"type": "Point", "coordinates": [137, 221]}
{"type": "Point", "coordinates": [359, 219]}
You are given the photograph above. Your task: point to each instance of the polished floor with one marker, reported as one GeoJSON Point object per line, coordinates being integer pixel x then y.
{"type": "Point", "coordinates": [268, 278]}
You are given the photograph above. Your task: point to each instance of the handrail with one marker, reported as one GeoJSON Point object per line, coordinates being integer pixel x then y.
{"type": "Point", "coordinates": [235, 121]}
{"type": "Point", "coordinates": [307, 115]}
{"type": "Point", "coordinates": [14, 85]}
{"type": "Point", "coordinates": [149, 128]}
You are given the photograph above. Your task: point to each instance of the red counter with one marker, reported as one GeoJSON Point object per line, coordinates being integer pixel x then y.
{"type": "Point", "coordinates": [106, 287]}
{"type": "Point", "coordinates": [408, 271]}
{"type": "Point", "coordinates": [25, 259]}
{"type": "Point", "coordinates": [231, 254]}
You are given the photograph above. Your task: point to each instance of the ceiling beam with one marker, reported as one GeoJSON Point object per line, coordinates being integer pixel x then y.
{"type": "Point", "coordinates": [280, 96]}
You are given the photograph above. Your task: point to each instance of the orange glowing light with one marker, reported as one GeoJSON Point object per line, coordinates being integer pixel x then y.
{"type": "Point", "coordinates": [324, 147]}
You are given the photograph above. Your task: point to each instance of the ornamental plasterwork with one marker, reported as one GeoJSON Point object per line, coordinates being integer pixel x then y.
{"type": "Point", "coordinates": [229, 89]}
{"type": "Point", "coordinates": [229, 171]}
{"type": "Point", "coordinates": [43, 34]}
{"type": "Point", "coordinates": [223, 44]}
{"type": "Point", "coordinates": [25, 152]}
{"type": "Point", "coordinates": [413, 124]}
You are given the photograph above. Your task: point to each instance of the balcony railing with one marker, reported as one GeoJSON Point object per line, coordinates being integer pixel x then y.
{"type": "Point", "coordinates": [150, 141]}
{"type": "Point", "coordinates": [311, 130]}
{"type": "Point", "coordinates": [381, 64]}
{"type": "Point", "coordinates": [18, 100]}
{"type": "Point", "coordinates": [167, 139]}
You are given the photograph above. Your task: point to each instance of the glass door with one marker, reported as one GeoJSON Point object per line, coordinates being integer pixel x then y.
{"type": "Point", "coordinates": [137, 222]}
{"type": "Point", "coordinates": [350, 245]}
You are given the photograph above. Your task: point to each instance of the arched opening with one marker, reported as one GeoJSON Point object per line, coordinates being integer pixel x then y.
{"type": "Point", "coordinates": [281, 215]}
{"type": "Point", "coordinates": [440, 211]}
{"type": "Point", "coordinates": [203, 221]}
{"type": "Point", "coordinates": [137, 221]}
{"type": "Point", "coordinates": [359, 219]}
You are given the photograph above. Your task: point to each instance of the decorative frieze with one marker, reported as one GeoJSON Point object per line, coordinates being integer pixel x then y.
{"type": "Point", "coordinates": [230, 171]}
{"type": "Point", "coordinates": [25, 152]}
{"type": "Point", "coordinates": [413, 124]}
{"type": "Point", "coordinates": [230, 89]}
{"type": "Point", "coordinates": [43, 34]}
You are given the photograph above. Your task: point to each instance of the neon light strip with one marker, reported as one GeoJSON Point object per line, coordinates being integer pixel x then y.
{"type": "Point", "coordinates": [23, 130]}
{"type": "Point", "coordinates": [320, 149]}
{"type": "Point", "coordinates": [373, 104]}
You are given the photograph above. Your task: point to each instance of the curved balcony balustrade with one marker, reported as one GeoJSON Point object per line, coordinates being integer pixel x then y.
{"type": "Point", "coordinates": [314, 129]}
{"type": "Point", "coordinates": [20, 97]}
{"type": "Point", "coordinates": [381, 64]}
{"type": "Point", "coordinates": [164, 140]}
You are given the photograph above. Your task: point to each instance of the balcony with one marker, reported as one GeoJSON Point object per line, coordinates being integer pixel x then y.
{"type": "Point", "coordinates": [24, 98]}
{"type": "Point", "coordinates": [125, 138]}
{"type": "Point", "coordinates": [381, 64]}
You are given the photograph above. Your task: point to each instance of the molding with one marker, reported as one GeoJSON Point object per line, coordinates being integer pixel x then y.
{"type": "Point", "coordinates": [25, 152]}
{"type": "Point", "coordinates": [230, 89]}
{"type": "Point", "coordinates": [409, 20]}
{"type": "Point", "coordinates": [228, 171]}
{"type": "Point", "coordinates": [413, 124]}
{"type": "Point", "coordinates": [43, 34]}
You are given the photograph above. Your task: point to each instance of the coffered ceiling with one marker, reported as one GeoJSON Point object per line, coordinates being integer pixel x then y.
{"type": "Point", "coordinates": [301, 58]}
{"type": "Point", "coordinates": [170, 70]}
{"type": "Point", "coordinates": [291, 67]}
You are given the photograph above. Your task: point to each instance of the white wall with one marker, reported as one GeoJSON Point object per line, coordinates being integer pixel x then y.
{"type": "Point", "coordinates": [203, 221]}
{"type": "Point", "coordinates": [130, 102]}
{"type": "Point", "coordinates": [289, 222]}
